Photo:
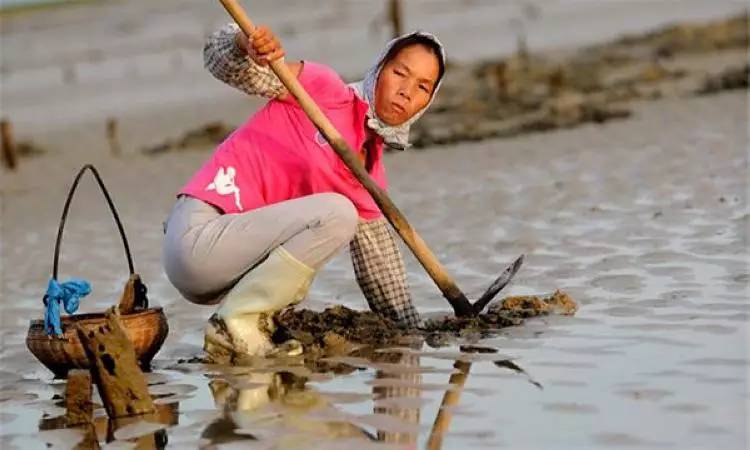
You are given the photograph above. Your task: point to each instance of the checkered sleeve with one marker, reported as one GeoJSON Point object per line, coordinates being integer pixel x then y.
{"type": "Point", "coordinates": [233, 66]}
{"type": "Point", "coordinates": [380, 272]}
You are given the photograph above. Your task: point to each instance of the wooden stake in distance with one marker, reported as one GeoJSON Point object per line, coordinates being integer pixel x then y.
{"type": "Point", "coordinates": [394, 13]}
{"type": "Point", "coordinates": [8, 145]}
{"type": "Point", "coordinates": [113, 137]}
{"type": "Point", "coordinates": [115, 370]}
{"type": "Point", "coordinates": [451, 292]}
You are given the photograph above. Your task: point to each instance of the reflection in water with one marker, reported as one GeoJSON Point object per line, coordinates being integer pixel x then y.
{"type": "Point", "coordinates": [276, 407]}
{"type": "Point", "coordinates": [450, 399]}
{"type": "Point", "coordinates": [410, 389]}
{"type": "Point", "coordinates": [277, 404]}
{"type": "Point", "coordinates": [143, 431]}
{"type": "Point", "coordinates": [282, 410]}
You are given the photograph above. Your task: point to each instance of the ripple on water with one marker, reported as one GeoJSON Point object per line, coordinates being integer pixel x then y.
{"type": "Point", "coordinates": [663, 257]}
{"type": "Point", "coordinates": [720, 380]}
{"type": "Point", "coordinates": [646, 394]}
{"type": "Point", "coordinates": [566, 364]}
{"type": "Point", "coordinates": [680, 296]}
{"type": "Point", "coordinates": [574, 408]}
{"type": "Point", "coordinates": [704, 428]}
{"type": "Point", "coordinates": [620, 284]}
{"type": "Point", "coordinates": [713, 329]}
{"type": "Point", "coordinates": [677, 273]}
{"type": "Point", "coordinates": [712, 249]}
{"type": "Point", "coordinates": [610, 263]}
{"type": "Point", "coordinates": [622, 439]}
{"type": "Point", "coordinates": [626, 311]}
{"type": "Point", "coordinates": [388, 423]}
{"type": "Point", "coordinates": [687, 408]}
{"type": "Point", "coordinates": [567, 383]}
{"type": "Point", "coordinates": [714, 361]}
{"type": "Point", "coordinates": [137, 429]}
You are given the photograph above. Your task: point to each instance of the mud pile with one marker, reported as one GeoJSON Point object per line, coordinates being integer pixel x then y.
{"type": "Point", "coordinates": [340, 330]}
{"type": "Point", "coordinates": [202, 137]}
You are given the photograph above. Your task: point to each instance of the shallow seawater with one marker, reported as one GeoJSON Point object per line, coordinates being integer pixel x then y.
{"type": "Point", "coordinates": [644, 222]}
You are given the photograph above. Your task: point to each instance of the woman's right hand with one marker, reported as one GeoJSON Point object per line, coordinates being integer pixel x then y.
{"type": "Point", "coordinates": [263, 46]}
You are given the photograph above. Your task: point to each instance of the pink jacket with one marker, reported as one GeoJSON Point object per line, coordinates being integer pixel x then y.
{"type": "Point", "coordinates": [278, 154]}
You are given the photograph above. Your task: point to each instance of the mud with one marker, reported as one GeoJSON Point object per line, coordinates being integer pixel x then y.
{"type": "Point", "coordinates": [642, 220]}
{"type": "Point", "coordinates": [536, 92]}
{"type": "Point", "coordinates": [528, 93]}
{"type": "Point", "coordinates": [339, 330]}
{"type": "Point", "coordinates": [207, 135]}
{"type": "Point", "coordinates": [732, 78]}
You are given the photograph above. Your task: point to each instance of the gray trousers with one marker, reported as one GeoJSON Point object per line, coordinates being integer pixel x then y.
{"type": "Point", "coordinates": [205, 252]}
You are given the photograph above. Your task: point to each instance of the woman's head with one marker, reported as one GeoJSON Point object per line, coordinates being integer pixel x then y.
{"type": "Point", "coordinates": [409, 75]}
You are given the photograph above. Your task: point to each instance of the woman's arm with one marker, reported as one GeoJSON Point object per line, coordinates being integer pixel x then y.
{"type": "Point", "coordinates": [242, 62]}
{"type": "Point", "coordinates": [379, 269]}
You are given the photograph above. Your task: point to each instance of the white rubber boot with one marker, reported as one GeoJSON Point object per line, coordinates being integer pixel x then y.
{"type": "Point", "coordinates": [242, 326]}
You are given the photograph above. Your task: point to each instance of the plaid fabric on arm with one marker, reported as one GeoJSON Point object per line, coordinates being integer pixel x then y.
{"type": "Point", "coordinates": [233, 66]}
{"type": "Point", "coordinates": [380, 272]}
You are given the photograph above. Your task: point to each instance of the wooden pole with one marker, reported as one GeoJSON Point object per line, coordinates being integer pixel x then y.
{"type": "Point", "coordinates": [10, 159]}
{"type": "Point", "coordinates": [113, 137]}
{"type": "Point", "coordinates": [78, 407]}
{"type": "Point", "coordinates": [79, 410]}
{"type": "Point", "coordinates": [394, 13]}
{"type": "Point", "coordinates": [450, 399]}
{"type": "Point", "coordinates": [424, 255]}
{"type": "Point", "coordinates": [114, 366]}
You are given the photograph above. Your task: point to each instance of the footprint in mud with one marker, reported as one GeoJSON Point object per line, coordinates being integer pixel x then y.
{"type": "Point", "coordinates": [620, 284]}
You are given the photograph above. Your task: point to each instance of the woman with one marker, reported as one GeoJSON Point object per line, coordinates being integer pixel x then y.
{"type": "Point", "coordinates": [274, 202]}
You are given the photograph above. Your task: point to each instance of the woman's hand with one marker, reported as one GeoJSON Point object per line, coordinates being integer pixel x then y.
{"type": "Point", "coordinates": [263, 46]}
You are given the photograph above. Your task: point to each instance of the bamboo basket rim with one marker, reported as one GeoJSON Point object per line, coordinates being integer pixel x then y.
{"type": "Point", "coordinates": [92, 317]}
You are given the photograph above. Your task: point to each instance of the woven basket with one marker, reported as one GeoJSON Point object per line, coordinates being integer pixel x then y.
{"type": "Point", "coordinates": [146, 327]}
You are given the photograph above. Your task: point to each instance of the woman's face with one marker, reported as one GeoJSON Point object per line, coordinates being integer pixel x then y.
{"type": "Point", "coordinates": [405, 84]}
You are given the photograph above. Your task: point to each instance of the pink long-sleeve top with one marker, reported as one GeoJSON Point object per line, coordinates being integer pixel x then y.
{"type": "Point", "coordinates": [278, 154]}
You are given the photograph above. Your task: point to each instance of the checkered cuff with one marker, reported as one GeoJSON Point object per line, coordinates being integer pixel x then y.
{"type": "Point", "coordinates": [233, 66]}
{"type": "Point", "coordinates": [380, 272]}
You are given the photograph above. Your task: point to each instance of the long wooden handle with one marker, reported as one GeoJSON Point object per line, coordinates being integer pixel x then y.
{"type": "Point", "coordinates": [437, 272]}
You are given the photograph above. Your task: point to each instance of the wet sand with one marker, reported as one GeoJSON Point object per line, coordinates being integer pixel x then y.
{"type": "Point", "coordinates": [643, 221]}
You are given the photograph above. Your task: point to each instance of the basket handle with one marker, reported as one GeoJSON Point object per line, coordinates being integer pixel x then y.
{"type": "Point", "coordinates": [111, 207]}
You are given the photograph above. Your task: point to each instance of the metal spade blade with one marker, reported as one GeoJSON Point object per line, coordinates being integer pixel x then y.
{"type": "Point", "coordinates": [505, 277]}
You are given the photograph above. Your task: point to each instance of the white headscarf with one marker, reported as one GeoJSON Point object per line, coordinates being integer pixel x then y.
{"type": "Point", "coordinates": [396, 137]}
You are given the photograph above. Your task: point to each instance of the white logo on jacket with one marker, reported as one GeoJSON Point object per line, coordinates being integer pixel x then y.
{"type": "Point", "coordinates": [223, 184]}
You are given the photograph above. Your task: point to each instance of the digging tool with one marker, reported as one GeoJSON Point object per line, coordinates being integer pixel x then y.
{"type": "Point", "coordinates": [461, 305]}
